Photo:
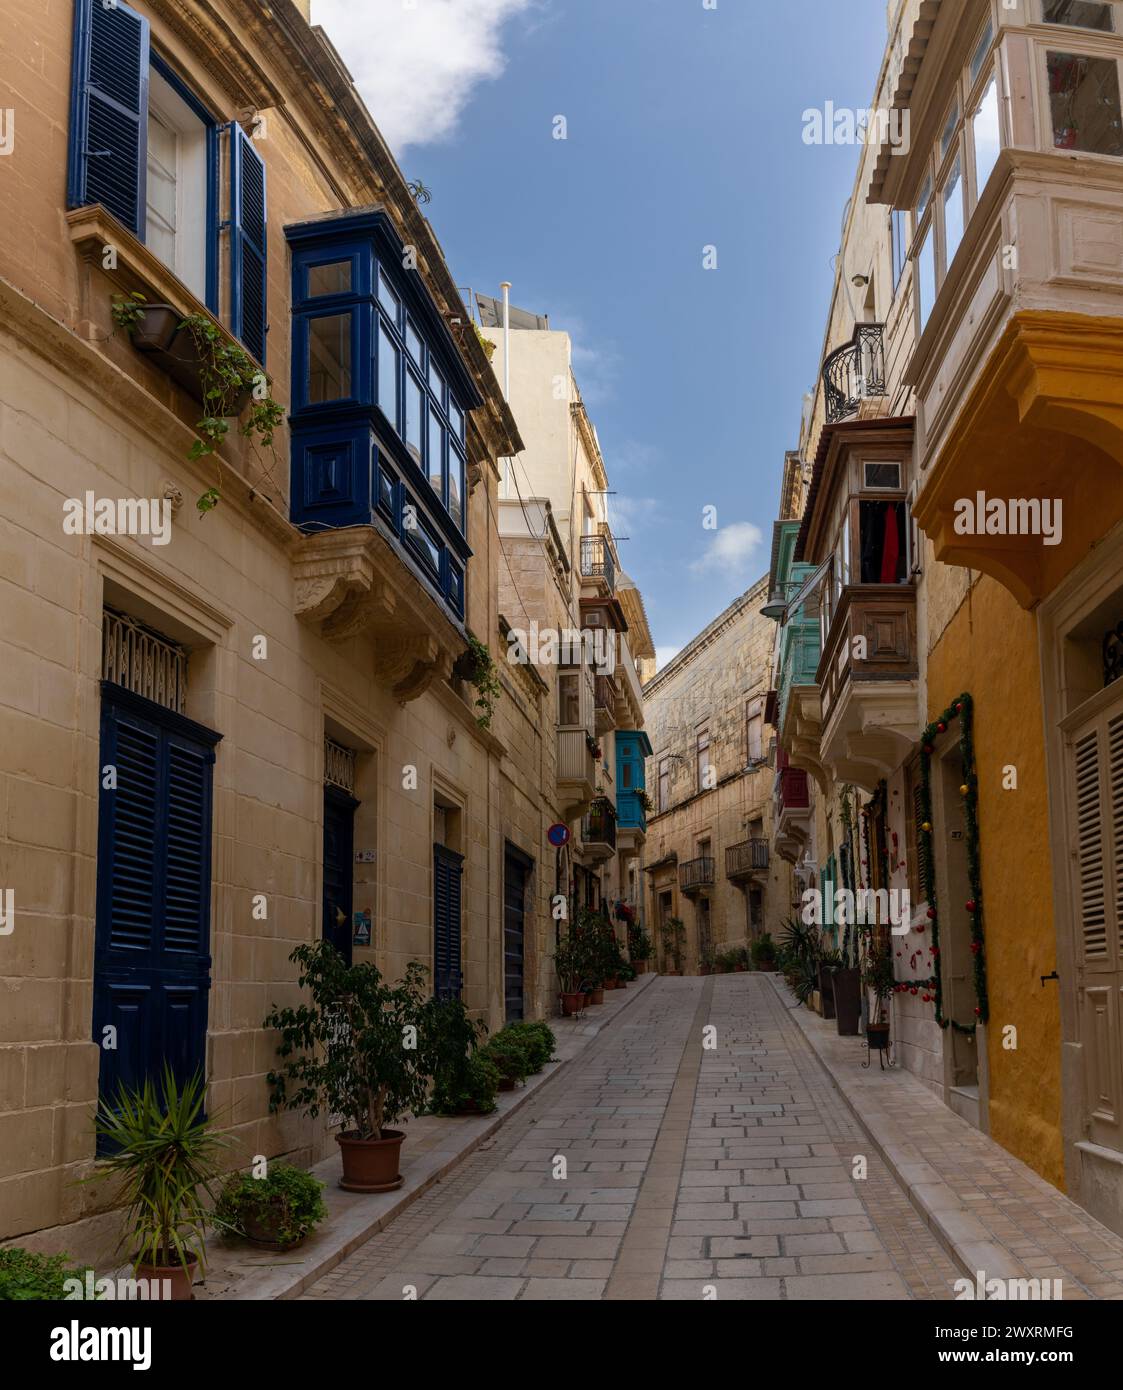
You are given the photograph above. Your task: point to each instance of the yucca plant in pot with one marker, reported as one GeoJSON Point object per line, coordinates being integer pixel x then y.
{"type": "Point", "coordinates": [569, 961]}
{"type": "Point", "coordinates": [355, 1051]}
{"type": "Point", "coordinates": [165, 1154]}
{"type": "Point", "coordinates": [878, 979]}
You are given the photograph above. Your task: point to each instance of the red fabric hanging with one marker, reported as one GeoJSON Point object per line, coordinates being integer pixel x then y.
{"type": "Point", "coordinates": [891, 549]}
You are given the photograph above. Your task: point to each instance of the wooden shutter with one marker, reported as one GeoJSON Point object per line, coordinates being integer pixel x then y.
{"type": "Point", "coordinates": [109, 111]}
{"type": "Point", "coordinates": [447, 873]}
{"type": "Point", "coordinates": [1096, 786]}
{"type": "Point", "coordinates": [248, 306]}
{"type": "Point", "coordinates": [152, 942]}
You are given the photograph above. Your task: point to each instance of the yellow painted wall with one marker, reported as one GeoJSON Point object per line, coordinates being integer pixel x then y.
{"type": "Point", "coordinates": [989, 649]}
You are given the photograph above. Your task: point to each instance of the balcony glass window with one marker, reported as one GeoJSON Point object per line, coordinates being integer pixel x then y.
{"type": "Point", "coordinates": [413, 343]}
{"type": "Point", "coordinates": [1081, 14]}
{"type": "Point", "coordinates": [926, 277]}
{"type": "Point", "coordinates": [881, 475]}
{"type": "Point", "coordinates": [388, 298]}
{"type": "Point", "coordinates": [947, 135]}
{"type": "Point", "coordinates": [986, 136]}
{"type": "Point", "coordinates": [1084, 102]}
{"type": "Point", "coordinates": [414, 423]}
{"type": "Point", "coordinates": [883, 542]}
{"type": "Point", "coordinates": [332, 278]}
{"type": "Point", "coordinates": [953, 213]}
{"type": "Point", "coordinates": [456, 418]}
{"type": "Point", "coordinates": [436, 453]}
{"type": "Point", "coordinates": [982, 48]}
{"type": "Point", "coordinates": [924, 199]}
{"type": "Point", "coordinates": [456, 487]}
{"type": "Point", "coordinates": [388, 358]}
{"type": "Point", "coordinates": [436, 383]}
{"type": "Point", "coordinates": [329, 359]}
{"type": "Point", "coordinates": [898, 234]}
{"type": "Point", "coordinates": [569, 699]}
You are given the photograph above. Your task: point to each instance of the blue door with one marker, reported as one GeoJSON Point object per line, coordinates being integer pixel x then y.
{"type": "Point", "coordinates": [152, 942]}
{"type": "Point", "coordinates": [339, 849]}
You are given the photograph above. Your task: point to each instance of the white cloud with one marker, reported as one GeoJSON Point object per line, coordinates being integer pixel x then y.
{"type": "Point", "coordinates": [665, 655]}
{"type": "Point", "coordinates": [732, 551]}
{"type": "Point", "coordinates": [417, 64]}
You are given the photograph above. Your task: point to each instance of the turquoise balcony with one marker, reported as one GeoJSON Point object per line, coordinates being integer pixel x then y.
{"type": "Point", "coordinates": [633, 747]}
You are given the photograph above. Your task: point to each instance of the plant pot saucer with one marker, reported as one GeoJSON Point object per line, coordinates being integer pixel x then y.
{"type": "Point", "coordinates": [372, 1187]}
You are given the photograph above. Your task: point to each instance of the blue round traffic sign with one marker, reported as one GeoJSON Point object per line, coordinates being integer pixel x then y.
{"type": "Point", "coordinates": [558, 835]}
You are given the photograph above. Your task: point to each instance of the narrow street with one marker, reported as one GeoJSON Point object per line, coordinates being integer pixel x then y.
{"type": "Point", "coordinates": [690, 1172]}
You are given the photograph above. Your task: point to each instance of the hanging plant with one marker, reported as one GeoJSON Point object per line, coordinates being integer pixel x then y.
{"type": "Point", "coordinates": [475, 666]}
{"type": "Point", "coordinates": [228, 381]}
{"type": "Point", "coordinates": [486, 343]}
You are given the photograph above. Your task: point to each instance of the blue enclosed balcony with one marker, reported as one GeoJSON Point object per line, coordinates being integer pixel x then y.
{"type": "Point", "coordinates": [633, 748]}
{"type": "Point", "coordinates": [379, 468]}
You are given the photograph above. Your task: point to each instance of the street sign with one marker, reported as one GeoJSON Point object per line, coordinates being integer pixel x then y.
{"type": "Point", "coordinates": [558, 835]}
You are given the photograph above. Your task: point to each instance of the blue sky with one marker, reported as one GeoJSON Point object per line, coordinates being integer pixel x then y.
{"type": "Point", "coordinates": [684, 129]}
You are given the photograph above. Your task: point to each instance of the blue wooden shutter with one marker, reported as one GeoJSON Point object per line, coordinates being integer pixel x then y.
{"type": "Point", "coordinates": [109, 112]}
{"type": "Point", "coordinates": [447, 872]}
{"type": "Point", "coordinates": [248, 304]}
{"type": "Point", "coordinates": [152, 951]}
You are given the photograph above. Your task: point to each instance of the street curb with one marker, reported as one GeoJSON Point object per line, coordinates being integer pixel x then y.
{"type": "Point", "coordinates": [951, 1221]}
{"type": "Point", "coordinates": [373, 1214]}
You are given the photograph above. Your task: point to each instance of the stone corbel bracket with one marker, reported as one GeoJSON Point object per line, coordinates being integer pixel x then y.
{"type": "Point", "coordinates": [350, 583]}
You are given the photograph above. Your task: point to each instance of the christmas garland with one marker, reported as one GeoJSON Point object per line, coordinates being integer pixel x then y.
{"type": "Point", "coordinates": [961, 709]}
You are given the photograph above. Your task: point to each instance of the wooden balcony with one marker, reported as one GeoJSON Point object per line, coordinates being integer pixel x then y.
{"type": "Point", "coordinates": [598, 831]}
{"type": "Point", "coordinates": [696, 874]}
{"type": "Point", "coordinates": [605, 704]}
{"type": "Point", "coordinates": [868, 683]}
{"type": "Point", "coordinates": [746, 860]}
{"type": "Point", "coordinates": [791, 811]}
{"type": "Point", "coordinates": [576, 771]}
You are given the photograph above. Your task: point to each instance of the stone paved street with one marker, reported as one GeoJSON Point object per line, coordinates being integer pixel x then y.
{"type": "Point", "coordinates": [690, 1173]}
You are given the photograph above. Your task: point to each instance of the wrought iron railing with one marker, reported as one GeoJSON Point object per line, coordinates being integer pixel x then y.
{"type": "Point", "coordinates": [696, 873]}
{"type": "Point", "coordinates": [599, 826]}
{"type": "Point", "coordinates": [597, 561]}
{"type": "Point", "coordinates": [855, 371]}
{"type": "Point", "coordinates": [142, 661]}
{"type": "Point", "coordinates": [748, 857]}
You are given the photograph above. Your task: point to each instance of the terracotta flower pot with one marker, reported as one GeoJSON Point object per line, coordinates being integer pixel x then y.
{"type": "Point", "coordinates": [506, 1083]}
{"type": "Point", "coordinates": [172, 1282]}
{"type": "Point", "coordinates": [611, 984]}
{"type": "Point", "coordinates": [597, 996]}
{"type": "Point", "coordinates": [261, 1229]}
{"type": "Point", "coordinates": [570, 1003]}
{"type": "Point", "coordinates": [371, 1165]}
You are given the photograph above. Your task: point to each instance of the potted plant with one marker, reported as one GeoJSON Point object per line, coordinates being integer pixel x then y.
{"type": "Point", "coordinates": [476, 666]}
{"type": "Point", "coordinates": [640, 947]}
{"type": "Point", "coordinates": [511, 1056]}
{"type": "Point", "coordinates": [673, 935]}
{"type": "Point", "coordinates": [462, 1082]}
{"type": "Point", "coordinates": [539, 1039]}
{"type": "Point", "coordinates": [740, 959]}
{"type": "Point", "coordinates": [165, 1154]}
{"type": "Point", "coordinates": [277, 1211]}
{"type": "Point", "coordinates": [343, 1052]}
{"type": "Point", "coordinates": [877, 977]}
{"type": "Point", "coordinates": [569, 963]}
{"type": "Point", "coordinates": [764, 953]}
{"type": "Point", "coordinates": [27, 1277]}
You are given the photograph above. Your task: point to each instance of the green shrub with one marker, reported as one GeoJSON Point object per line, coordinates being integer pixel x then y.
{"type": "Point", "coordinates": [476, 1088]}
{"type": "Point", "coordinates": [510, 1054]}
{"type": "Point", "coordinates": [284, 1206]}
{"type": "Point", "coordinates": [538, 1038]}
{"type": "Point", "coordinates": [449, 1042]}
{"type": "Point", "coordinates": [764, 951]}
{"type": "Point", "coordinates": [25, 1276]}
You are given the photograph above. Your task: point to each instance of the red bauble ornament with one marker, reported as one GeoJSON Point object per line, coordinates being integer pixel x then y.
{"type": "Point", "coordinates": [941, 727]}
{"type": "Point", "coordinates": [913, 990]}
{"type": "Point", "coordinates": [928, 748]}
{"type": "Point", "coordinates": [931, 914]}
{"type": "Point", "coordinates": [971, 904]}
{"type": "Point", "coordinates": [978, 1012]}
{"type": "Point", "coordinates": [921, 927]}
{"type": "Point", "coordinates": [959, 707]}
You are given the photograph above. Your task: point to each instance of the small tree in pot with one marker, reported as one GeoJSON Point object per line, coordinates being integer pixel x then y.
{"type": "Point", "coordinates": [877, 977]}
{"type": "Point", "coordinates": [354, 1051]}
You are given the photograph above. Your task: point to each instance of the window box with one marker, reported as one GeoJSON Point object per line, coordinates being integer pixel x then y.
{"type": "Point", "coordinates": [160, 333]}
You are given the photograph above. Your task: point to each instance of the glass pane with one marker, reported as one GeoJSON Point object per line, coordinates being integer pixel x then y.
{"type": "Point", "coordinates": [1084, 96]}
{"type": "Point", "coordinates": [987, 136]}
{"type": "Point", "coordinates": [387, 298]}
{"type": "Point", "coordinates": [569, 700]}
{"type": "Point", "coordinates": [979, 57]}
{"type": "Point", "coordinates": [926, 278]}
{"type": "Point", "coordinates": [925, 194]}
{"type": "Point", "coordinates": [884, 548]}
{"type": "Point", "coordinates": [436, 454]}
{"type": "Point", "coordinates": [413, 417]}
{"type": "Point", "coordinates": [329, 279]}
{"type": "Point", "coordinates": [329, 358]}
{"type": "Point", "coordinates": [413, 344]}
{"type": "Point", "coordinates": [953, 214]}
{"type": "Point", "coordinates": [436, 382]}
{"type": "Point", "coordinates": [456, 487]}
{"type": "Point", "coordinates": [883, 475]}
{"type": "Point", "coordinates": [388, 376]}
{"type": "Point", "coordinates": [455, 417]}
{"type": "Point", "coordinates": [948, 133]}
{"type": "Point", "coordinates": [1079, 14]}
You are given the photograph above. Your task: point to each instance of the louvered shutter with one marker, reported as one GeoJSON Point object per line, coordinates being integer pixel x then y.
{"type": "Point", "coordinates": [109, 111]}
{"type": "Point", "coordinates": [1097, 819]}
{"type": "Point", "coordinates": [152, 943]}
{"type": "Point", "coordinates": [248, 265]}
{"type": "Point", "coordinates": [447, 873]}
